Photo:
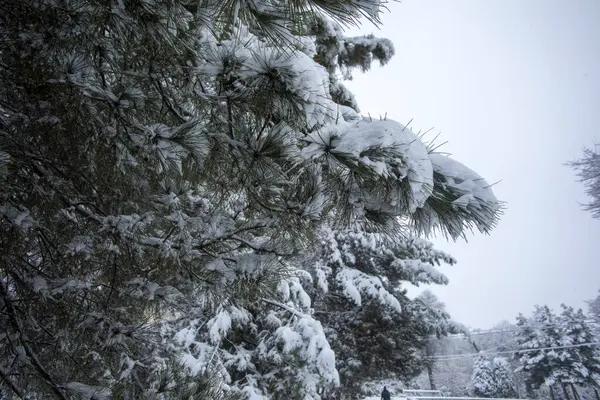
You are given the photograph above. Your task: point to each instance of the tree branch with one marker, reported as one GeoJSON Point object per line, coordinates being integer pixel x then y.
{"type": "Point", "coordinates": [11, 384]}
{"type": "Point", "coordinates": [12, 315]}
{"type": "Point", "coordinates": [284, 306]}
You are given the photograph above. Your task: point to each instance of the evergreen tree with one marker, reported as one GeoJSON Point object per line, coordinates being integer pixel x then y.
{"type": "Point", "coordinates": [483, 383]}
{"type": "Point", "coordinates": [162, 165]}
{"type": "Point", "coordinates": [503, 378]}
{"type": "Point", "coordinates": [588, 170]}
{"type": "Point", "coordinates": [440, 324]}
{"type": "Point", "coordinates": [340, 55]}
{"type": "Point", "coordinates": [581, 364]}
{"type": "Point", "coordinates": [376, 331]}
{"type": "Point", "coordinates": [563, 359]}
{"type": "Point", "coordinates": [492, 378]}
{"type": "Point", "coordinates": [594, 307]}
{"type": "Point", "coordinates": [541, 331]}
{"type": "Point", "coordinates": [435, 314]}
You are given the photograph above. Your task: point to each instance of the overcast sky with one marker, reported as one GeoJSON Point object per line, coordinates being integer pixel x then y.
{"type": "Point", "coordinates": [514, 87]}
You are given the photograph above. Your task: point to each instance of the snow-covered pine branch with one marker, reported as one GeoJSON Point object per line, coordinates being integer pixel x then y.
{"type": "Point", "coordinates": [163, 163]}
{"type": "Point", "coordinates": [376, 331]}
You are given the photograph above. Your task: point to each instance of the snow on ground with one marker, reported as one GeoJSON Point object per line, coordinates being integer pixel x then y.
{"type": "Point", "coordinates": [432, 398]}
{"type": "Point", "coordinates": [393, 398]}
{"type": "Point", "coordinates": [379, 398]}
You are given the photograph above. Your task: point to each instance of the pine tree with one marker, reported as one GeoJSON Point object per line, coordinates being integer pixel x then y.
{"type": "Point", "coordinates": [340, 55]}
{"type": "Point", "coordinates": [483, 383]}
{"type": "Point", "coordinates": [503, 378]}
{"type": "Point", "coordinates": [588, 170]}
{"type": "Point", "coordinates": [561, 360]}
{"type": "Point", "coordinates": [541, 331]}
{"type": "Point", "coordinates": [440, 325]}
{"type": "Point", "coordinates": [376, 331]}
{"type": "Point", "coordinates": [162, 164]}
{"type": "Point", "coordinates": [435, 314]}
{"type": "Point", "coordinates": [594, 307]}
{"type": "Point", "coordinates": [581, 364]}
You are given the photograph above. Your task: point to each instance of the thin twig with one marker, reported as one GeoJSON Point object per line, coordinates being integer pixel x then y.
{"type": "Point", "coordinates": [11, 384]}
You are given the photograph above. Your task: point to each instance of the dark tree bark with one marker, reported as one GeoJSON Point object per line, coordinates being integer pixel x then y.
{"type": "Point", "coordinates": [575, 392]}
{"type": "Point", "coordinates": [564, 388]}
{"type": "Point", "coordinates": [552, 393]}
{"type": "Point", "coordinates": [430, 375]}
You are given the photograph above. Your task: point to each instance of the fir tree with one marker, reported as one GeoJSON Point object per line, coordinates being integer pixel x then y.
{"type": "Point", "coordinates": [492, 378]}
{"type": "Point", "coordinates": [503, 378]}
{"type": "Point", "coordinates": [581, 363]}
{"type": "Point", "coordinates": [483, 383]}
{"type": "Point", "coordinates": [541, 331]}
{"type": "Point", "coordinates": [564, 359]}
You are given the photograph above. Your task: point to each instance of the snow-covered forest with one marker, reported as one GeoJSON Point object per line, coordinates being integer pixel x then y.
{"type": "Point", "coordinates": [544, 354]}
{"type": "Point", "coordinates": [193, 207]}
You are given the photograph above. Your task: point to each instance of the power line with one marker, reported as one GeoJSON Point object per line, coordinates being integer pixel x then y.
{"type": "Point", "coordinates": [512, 339]}
{"type": "Point", "coordinates": [487, 351]}
{"type": "Point", "coordinates": [554, 325]}
{"type": "Point", "coordinates": [467, 355]}
{"type": "Point", "coordinates": [539, 325]}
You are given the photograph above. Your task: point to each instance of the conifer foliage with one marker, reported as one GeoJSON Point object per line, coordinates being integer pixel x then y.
{"type": "Point", "coordinates": [162, 165]}
{"type": "Point", "coordinates": [376, 331]}
{"type": "Point", "coordinates": [588, 171]}
{"type": "Point", "coordinates": [558, 350]}
{"type": "Point", "coordinates": [594, 307]}
{"type": "Point", "coordinates": [483, 382]}
{"type": "Point", "coordinates": [504, 378]}
{"type": "Point", "coordinates": [492, 378]}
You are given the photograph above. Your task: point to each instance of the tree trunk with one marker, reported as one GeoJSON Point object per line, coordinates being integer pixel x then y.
{"type": "Point", "coordinates": [552, 392]}
{"type": "Point", "coordinates": [529, 390]}
{"type": "Point", "coordinates": [565, 392]}
{"type": "Point", "coordinates": [430, 375]}
{"type": "Point", "coordinates": [575, 392]}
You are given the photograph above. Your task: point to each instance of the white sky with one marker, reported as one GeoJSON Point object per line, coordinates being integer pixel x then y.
{"type": "Point", "coordinates": [514, 87]}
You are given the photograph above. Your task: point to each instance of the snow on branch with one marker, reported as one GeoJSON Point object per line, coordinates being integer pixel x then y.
{"type": "Point", "coordinates": [357, 284]}
{"type": "Point", "coordinates": [461, 200]}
